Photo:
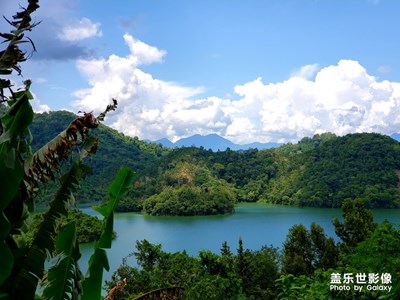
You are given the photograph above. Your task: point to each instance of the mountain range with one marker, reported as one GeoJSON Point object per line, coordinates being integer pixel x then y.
{"type": "Point", "coordinates": [214, 142]}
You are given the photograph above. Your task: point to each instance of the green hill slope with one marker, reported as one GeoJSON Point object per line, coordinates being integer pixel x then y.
{"type": "Point", "coordinates": [356, 165]}
{"type": "Point", "coordinates": [114, 150]}
{"type": "Point", "coordinates": [321, 171]}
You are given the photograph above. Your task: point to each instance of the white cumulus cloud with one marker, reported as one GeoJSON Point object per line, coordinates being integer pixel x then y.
{"type": "Point", "coordinates": [341, 98]}
{"type": "Point", "coordinates": [79, 30]}
{"type": "Point", "coordinates": [307, 71]}
{"type": "Point", "coordinates": [144, 53]}
{"type": "Point", "coordinates": [37, 106]}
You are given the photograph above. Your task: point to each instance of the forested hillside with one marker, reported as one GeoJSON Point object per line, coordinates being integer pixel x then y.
{"type": "Point", "coordinates": [322, 171]}
{"type": "Point", "coordinates": [115, 150]}
{"type": "Point", "coordinates": [338, 168]}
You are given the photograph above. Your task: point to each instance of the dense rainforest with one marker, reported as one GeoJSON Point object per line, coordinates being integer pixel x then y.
{"type": "Point", "coordinates": [322, 171]}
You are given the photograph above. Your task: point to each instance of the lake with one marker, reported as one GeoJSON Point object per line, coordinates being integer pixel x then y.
{"type": "Point", "coordinates": [257, 224]}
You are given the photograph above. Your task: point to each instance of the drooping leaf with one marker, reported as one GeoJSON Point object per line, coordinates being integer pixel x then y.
{"type": "Point", "coordinates": [40, 167]}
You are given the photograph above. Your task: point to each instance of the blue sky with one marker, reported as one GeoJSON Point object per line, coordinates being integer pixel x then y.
{"type": "Point", "coordinates": [255, 70]}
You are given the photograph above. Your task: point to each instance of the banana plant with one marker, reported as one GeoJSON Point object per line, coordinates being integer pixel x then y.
{"type": "Point", "coordinates": [22, 265]}
{"type": "Point", "coordinates": [31, 268]}
{"type": "Point", "coordinates": [65, 280]}
{"type": "Point", "coordinates": [65, 276]}
{"type": "Point", "coordinates": [13, 129]}
{"type": "Point", "coordinates": [99, 261]}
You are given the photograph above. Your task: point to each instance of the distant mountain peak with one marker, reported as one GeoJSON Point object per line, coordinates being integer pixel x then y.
{"type": "Point", "coordinates": [165, 142]}
{"type": "Point", "coordinates": [396, 136]}
{"type": "Point", "coordinates": [214, 142]}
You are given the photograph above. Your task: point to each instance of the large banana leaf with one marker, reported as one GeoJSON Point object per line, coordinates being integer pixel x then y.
{"type": "Point", "coordinates": [14, 124]}
{"type": "Point", "coordinates": [22, 267]}
{"type": "Point", "coordinates": [99, 261]}
{"type": "Point", "coordinates": [64, 276]}
{"type": "Point", "coordinates": [32, 268]}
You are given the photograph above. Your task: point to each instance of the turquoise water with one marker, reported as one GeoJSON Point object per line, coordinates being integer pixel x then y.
{"type": "Point", "coordinates": [256, 224]}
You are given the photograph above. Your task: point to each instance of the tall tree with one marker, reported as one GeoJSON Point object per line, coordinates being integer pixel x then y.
{"type": "Point", "coordinates": [297, 252]}
{"type": "Point", "coordinates": [243, 259]}
{"type": "Point", "coordinates": [325, 250]}
{"type": "Point", "coordinates": [358, 224]}
{"type": "Point", "coordinates": [226, 250]}
{"type": "Point", "coordinates": [304, 250]}
{"type": "Point", "coordinates": [147, 254]}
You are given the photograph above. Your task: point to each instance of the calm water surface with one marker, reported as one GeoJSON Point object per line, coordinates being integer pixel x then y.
{"type": "Point", "coordinates": [257, 224]}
